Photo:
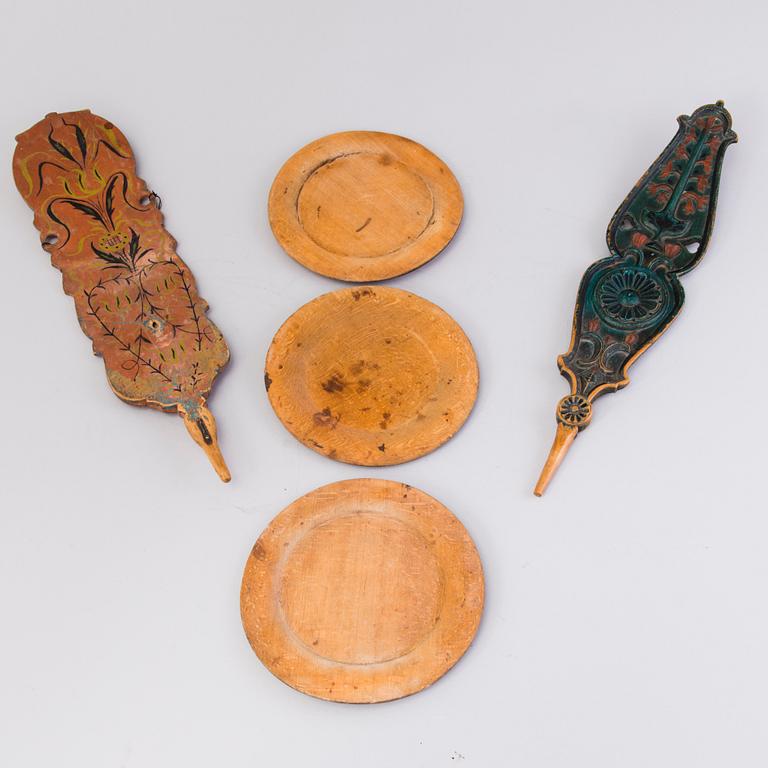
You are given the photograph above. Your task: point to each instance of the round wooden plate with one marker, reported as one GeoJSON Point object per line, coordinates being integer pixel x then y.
{"type": "Point", "coordinates": [364, 206]}
{"type": "Point", "coordinates": [371, 376]}
{"type": "Point", "coordinates": [362, 591]}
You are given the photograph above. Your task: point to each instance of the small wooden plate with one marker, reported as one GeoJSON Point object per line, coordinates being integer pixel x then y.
{"type": "Point", "coordinates": [362, 591]}
{"type": "Point", "coordinates": [364, 206]}
{"type": "Point", "coordinates": [371, 376]}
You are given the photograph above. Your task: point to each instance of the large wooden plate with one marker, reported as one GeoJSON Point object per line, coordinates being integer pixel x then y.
{"type": "Point", "coordinates": [371, 375]}
{"type": "Point", "coordinates": [364, 206]}
{"type": "Point", "coordinates": [362, 591]}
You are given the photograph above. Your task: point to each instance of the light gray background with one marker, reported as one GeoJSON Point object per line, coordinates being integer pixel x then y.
{"type": "Point", "coordinates": [626, 622]}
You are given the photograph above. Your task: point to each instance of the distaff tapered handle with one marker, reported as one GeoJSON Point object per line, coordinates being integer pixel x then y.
{"type": "Point", "coordinates": [573, 413]}
{"type": "Point", "coordinates": [562, 442]}
{"type": "Point", "coordinates": [202, 427]}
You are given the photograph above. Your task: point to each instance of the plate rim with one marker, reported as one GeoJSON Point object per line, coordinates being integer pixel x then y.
{"type": "Point", "coordinates": [472, 374]}
{"type": "Point", "coordinates": [292, 237]}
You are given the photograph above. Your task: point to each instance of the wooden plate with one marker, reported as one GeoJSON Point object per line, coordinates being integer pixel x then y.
{"type": "Point", "coordinates": [371, 376]}
{"type": "Point", "coordinates": [362, 591]}
{"type": "Point", "coordinates": [364, 206]}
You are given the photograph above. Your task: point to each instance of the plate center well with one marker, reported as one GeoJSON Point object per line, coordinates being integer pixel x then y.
{"type": "Point", "coordinates": [374, 378]}
{"type": "Point", "coordinates": [364, 205]}
{"type": "Point", "coordinates": [361, 589]}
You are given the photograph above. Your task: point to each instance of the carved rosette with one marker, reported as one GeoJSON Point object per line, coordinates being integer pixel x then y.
{"type": "Point", "coordinates": [623, 306]}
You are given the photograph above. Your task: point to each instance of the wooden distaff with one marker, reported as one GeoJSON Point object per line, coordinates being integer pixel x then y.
{"type": "Point", "coordinates": [626, 301]}
{"type": "Point", "coordinates": [135, 298]}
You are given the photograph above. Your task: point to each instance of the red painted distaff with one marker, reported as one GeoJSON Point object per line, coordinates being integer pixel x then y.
{"type": "Point", "coordinates": [135, 298]}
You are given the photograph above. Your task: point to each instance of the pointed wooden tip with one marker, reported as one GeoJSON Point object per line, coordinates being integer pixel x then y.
{"type": "Point", "coordinates": [563, 438]}
{"type": "Point", "coordinates": [202, 427]}
{"type": "Point", "coordinates": [217, 461]}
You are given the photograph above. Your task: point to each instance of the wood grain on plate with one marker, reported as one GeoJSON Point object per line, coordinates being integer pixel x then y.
{"type": "Point", "coordinates": [371, 375]}
{"type": "Point", "coordinates": [362, 591]}
{"type": "Point", "coordinates": [364, 206]}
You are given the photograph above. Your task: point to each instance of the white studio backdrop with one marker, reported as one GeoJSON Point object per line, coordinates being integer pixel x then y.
{"type": "Point", "coordinates": [625, 621]}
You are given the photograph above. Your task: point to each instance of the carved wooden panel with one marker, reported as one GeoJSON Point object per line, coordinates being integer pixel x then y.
{"type": "Point", "coordinates": [627, 300]}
